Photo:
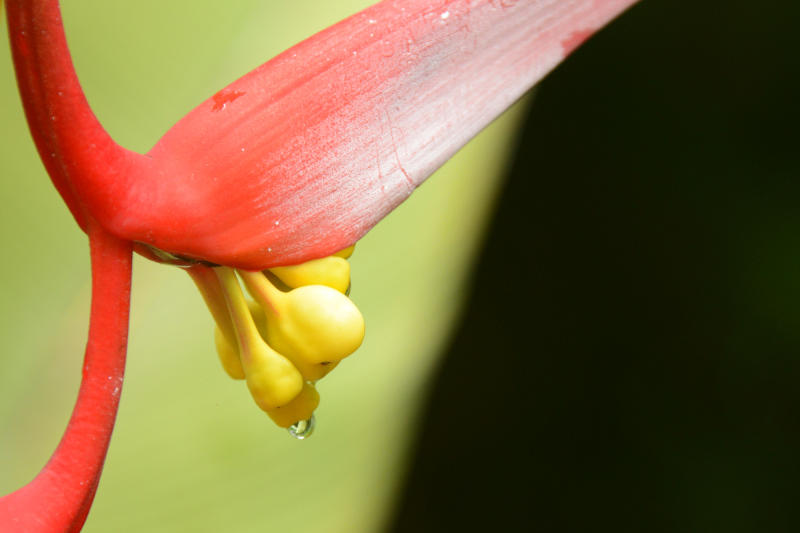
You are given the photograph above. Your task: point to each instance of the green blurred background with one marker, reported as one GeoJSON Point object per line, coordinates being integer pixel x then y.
{"type": "Point", "coordinates": [628, 360]}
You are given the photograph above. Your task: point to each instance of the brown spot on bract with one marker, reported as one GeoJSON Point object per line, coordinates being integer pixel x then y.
{"type": "Point", "coordinates": [222, 98]}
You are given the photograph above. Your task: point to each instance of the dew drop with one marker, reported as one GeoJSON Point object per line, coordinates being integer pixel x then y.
{"type": "Point", "coordinates": [302, 429]}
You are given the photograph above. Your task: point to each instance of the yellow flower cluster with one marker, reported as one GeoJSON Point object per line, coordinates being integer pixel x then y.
{"type": "Point", "coordinates": [298, 329]}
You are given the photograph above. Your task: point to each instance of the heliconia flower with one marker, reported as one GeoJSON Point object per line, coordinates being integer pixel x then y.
{"type": "Point", "coordinates": [291, 163]}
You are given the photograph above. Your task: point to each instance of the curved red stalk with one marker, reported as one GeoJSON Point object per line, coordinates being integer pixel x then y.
{"type": "Point", "coordinates": [70, 140]}
{"type": "Point", "coordinates": [59, 497]}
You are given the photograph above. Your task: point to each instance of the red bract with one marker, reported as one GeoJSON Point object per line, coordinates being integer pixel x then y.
{"type": "Point", "coordinates": [294, 161]}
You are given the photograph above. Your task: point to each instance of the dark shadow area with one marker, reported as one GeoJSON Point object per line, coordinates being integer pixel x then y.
{"type": "Point", "coordinates": [630, 357]}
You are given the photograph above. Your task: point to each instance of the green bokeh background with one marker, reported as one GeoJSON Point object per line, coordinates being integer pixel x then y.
{"type": "Point", "coordinates": [191, 452]}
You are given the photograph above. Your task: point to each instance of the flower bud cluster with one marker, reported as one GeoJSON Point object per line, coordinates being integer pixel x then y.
{"type": "Point", "coordinates": [301, 325]}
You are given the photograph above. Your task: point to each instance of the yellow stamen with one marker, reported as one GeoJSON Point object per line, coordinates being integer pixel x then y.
{"type": "Point", "coordinates": [228, 355]}
{"type": "Point", "coordinates": [211, 290]}
{"type": "Point", "coordinates": [272, 379]}
{"type": "Point", "coordinates": [301, 408]}
{"type": "Point", "coordinates": [330, 271]}
{"type": "Point", "coordinates": [300, 328]}
{"type": "Point", "coordinates": [346, 253]}
{"type": "Point", "coordinates": [314, 326]}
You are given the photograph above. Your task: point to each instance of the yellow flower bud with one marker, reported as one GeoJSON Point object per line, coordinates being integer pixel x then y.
{"type": "Point", "coordinates": [272, 379]}
{"type": "Point", "coordinates": [259, 318]}
{"type": "Point", "coordinates": [346, 253]}
{"type": "Point", "coordinates": [228, 355]}
{"type": "Point", "coordinates": [301, 408]}
{"type": "Point", "coordinates": [311, 371]}
{"type": "Point", "coordinates": [330, 271]}
{"type": "Point", "coordinates": [315, 324]}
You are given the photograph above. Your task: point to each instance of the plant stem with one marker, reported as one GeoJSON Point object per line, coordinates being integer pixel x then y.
{"type": "Point", "coordinates": [60, 496]}
{"type": "Point", "coordinates": [211, 290]}
{"type": "Point", "coordinates": [75, 149]}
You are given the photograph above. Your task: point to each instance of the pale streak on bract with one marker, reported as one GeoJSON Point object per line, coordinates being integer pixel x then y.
{"type": "Point", "coordinates": [342, 128]}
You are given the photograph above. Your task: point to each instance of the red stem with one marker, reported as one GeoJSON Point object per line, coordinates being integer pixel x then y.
{"type": "Point", "coordinates": [60, 496]}
{"type": "Point", "coordinates": [81, 158]}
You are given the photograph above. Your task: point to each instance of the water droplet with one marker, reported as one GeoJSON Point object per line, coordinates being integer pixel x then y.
{"type": "Point", "coordinates": [302, 429]}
